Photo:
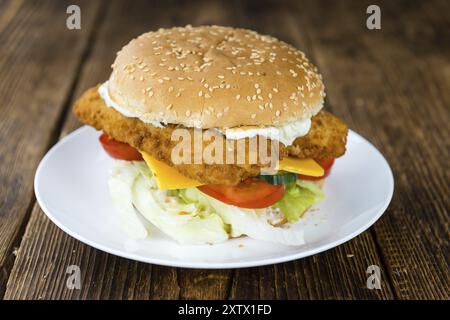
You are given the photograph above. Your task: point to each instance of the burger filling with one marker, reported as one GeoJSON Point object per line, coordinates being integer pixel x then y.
{"type": "Point", "coordinates": [192, 216]}
{"type": "Point", "coordinates": [208, 203]}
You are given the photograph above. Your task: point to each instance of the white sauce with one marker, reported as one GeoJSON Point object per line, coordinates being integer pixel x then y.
{"type": "Point", "coordinates": [286, 134]}
{"type": "Point", "coordinates": [104, 93]}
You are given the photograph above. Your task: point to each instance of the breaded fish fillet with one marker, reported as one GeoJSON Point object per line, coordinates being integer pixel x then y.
{"type": "Point", "coordinates": [326, 138]}
{"type": "Point", "coordinates": [91, 109]}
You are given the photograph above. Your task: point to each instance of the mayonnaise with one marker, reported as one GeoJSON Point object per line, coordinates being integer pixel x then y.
{"type": "Point", "coordinates": [104, 93]}
{"type": "Point", "coordinates": [286, 133]}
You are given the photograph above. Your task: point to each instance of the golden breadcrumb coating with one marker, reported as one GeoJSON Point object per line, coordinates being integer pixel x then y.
{"type": "Point", "coordinates": [326, 138]}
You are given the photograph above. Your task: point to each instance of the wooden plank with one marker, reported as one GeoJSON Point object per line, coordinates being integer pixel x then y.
{"type": "Point", "coordinates": [400, 84]}
{"type": "Point", "coordinates": [339, 273]}
{"type": "Point", "coordinates": [37, 71]}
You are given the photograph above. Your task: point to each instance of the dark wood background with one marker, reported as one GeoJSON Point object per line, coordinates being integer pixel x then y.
{"type": "Point", "coordinates": [390, 85]}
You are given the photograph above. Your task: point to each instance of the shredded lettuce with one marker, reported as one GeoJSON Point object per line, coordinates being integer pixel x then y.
{"type": "Point", "coordinates": [298, 198]}
{"type": "Point", "coordinates": [255, 223]}
{"type": "Point", "coordinates": [133, 188]}
{"type": "Point", "coordinates": [123, 177]}
{"type": "Point", "coordinates": [192, 217]}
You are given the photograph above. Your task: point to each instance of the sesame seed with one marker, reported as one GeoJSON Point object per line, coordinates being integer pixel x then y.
{"type": "Point", "coordinates": [275, 89]}
{"type": "Point", "coordinates": [277, 113]}
{"type": "Point", "coordinates": [238, 97]}
{"type": "Point", "coordinates": [169, 106]}
{"type": "Point", "coordinates": [200, 93]}
{"type": "Point", "coordinates": [253, 115]}
{"type": "Point", "coordinates": [188, 113]}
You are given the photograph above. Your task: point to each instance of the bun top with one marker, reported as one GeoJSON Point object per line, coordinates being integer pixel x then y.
{"type": "Point", "coordinates": [214, 76]}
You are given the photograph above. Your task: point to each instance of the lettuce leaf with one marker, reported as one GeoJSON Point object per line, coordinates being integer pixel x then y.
{"type": "Point", "coordinates": [134, 191]}
{"type": "Point", "coordinates": [192, 217]}
{"type": "Point", "coordinates": [254, 223]}
{"type": "Point", "coordinates": [298, 198]}
{"type": "Point", "coordinates": [123, 176]}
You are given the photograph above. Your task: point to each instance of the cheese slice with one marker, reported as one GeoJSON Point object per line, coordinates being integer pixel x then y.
{"type": "Point", "coordinates": [307, 167]}
{"type": "Point", "coordinates": [167, 177]}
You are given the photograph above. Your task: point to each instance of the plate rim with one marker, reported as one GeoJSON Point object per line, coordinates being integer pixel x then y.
{"type": "Point", "coordinates": [206, 265]}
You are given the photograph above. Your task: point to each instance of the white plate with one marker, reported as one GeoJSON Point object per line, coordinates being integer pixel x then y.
{"type": "Point", "coordinates": [71, 187]}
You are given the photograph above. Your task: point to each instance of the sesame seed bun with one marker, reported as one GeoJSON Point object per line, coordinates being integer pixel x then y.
{"type": "Point", "coordinates": [214, 76]}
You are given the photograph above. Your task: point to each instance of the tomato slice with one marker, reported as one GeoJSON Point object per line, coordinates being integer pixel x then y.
{"type": "Point", "coordinates": [326, 164]}
{"type": "Point", "coordinates": [251, 193]}
{"type": "Point", "coordinates": [119, 150]}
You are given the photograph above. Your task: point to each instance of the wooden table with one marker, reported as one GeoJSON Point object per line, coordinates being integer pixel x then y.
{"type": "Point", "coordinates": [391, 85]}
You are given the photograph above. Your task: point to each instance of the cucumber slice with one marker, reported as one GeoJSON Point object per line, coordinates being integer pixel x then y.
{"type": "Point", "coordinates": [286, 178]}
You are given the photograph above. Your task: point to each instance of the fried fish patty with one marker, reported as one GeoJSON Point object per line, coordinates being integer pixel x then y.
{"type": "Point", "coordinates": [91, 109]}
{"type": "Point", "coordinates": [326, 138]}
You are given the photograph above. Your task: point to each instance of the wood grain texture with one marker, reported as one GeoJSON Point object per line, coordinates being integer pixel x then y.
{"type": "Point", "coordinates": [37, 71]}
{"type": "Point", "coordinates": [383, 83]}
